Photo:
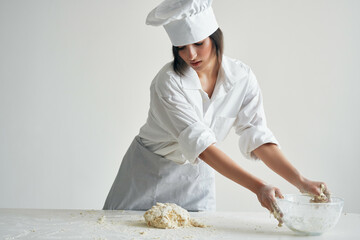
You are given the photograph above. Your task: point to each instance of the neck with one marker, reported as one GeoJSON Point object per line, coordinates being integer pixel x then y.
{"type": "Point", "coordinates": [211, 70]}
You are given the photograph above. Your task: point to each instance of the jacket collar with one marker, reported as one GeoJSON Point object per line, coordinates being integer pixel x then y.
{"type": "Point", "coordinates": [191, 80]}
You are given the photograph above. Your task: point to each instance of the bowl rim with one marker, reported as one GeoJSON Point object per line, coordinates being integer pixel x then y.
{"type": "Point", "coordinates": [339, 200]}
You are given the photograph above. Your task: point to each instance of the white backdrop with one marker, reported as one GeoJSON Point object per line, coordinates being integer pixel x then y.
{"type": "Point", "coordinates": [74, 91]}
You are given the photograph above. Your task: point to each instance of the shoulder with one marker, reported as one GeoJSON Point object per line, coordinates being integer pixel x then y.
{"type": "Point", "coordinates": [166, 81]}
{"type": "Point", "coordinates": [237, 71]}
{"type": "Point", "coordinates": [235, 67]}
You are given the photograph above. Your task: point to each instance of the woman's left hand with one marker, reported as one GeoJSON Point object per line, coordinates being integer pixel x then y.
{"type": "Point", "coordinates": [313, 188]}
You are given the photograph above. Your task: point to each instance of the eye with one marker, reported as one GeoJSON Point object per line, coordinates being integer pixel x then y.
{"type": "Point", "coordinates": [180, 48]}
{"type": "Point", "coordinates": [199, 43]}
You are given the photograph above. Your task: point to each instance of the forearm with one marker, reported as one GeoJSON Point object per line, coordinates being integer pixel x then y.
{"type": "Point", "coordinates": [271, 155]}
{"type": "Point", "coordinates": [223, 164]}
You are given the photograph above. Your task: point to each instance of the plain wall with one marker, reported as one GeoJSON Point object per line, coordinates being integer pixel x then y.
{"type": "Point", "coordinates": [74, 91]}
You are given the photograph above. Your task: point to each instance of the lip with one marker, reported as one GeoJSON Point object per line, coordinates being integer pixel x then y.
{"type": "Point", "coordinates": [195, 64]}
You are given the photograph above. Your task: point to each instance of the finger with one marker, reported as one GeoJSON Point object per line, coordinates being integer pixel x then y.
{"type": "Point", "coordinates": [327, 192]}
{"type": "Point", "coordinates": [276, 208]}
{"type": "Point", "coordinates": [278, 193]}
{"type": "Point", "coordinates": [317, 189]}
{"type": "Point", "coordinates": [278, 214]}
{"type": "Point", "coordinates": [314, 189]}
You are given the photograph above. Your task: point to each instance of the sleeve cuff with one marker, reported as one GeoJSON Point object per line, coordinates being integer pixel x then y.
{"type": "Point", "coordinates": [253, 138]}
{"type": "Point", "coordinates": [194, 140]}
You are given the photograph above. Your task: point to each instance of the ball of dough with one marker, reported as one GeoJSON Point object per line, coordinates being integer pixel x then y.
{"type": "Point", "coordinates": [169, 215]}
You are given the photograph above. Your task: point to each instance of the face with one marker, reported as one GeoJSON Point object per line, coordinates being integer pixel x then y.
{"type": "Point", "coordinates": [200, 55]}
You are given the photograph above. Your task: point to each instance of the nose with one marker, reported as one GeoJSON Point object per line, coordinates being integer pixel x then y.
{"type": "Point", "coordinates": [192, 54]}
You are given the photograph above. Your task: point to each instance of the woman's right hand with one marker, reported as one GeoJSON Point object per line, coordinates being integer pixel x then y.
{"type": "Point", "coordinates": [266, 196]}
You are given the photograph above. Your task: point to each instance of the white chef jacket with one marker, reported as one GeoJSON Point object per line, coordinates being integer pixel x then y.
{"type": "Point", "coordinates": [183, 121]}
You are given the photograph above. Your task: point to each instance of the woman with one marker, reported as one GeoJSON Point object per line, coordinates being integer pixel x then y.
{"type": "Point", "coordinates": [195, 101]}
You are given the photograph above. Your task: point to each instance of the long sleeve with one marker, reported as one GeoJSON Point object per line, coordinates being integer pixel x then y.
{"type": "Point", "coordinates": [251, 122]}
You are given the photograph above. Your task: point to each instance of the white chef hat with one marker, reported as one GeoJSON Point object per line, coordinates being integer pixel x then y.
{"type": "Point", "coordinates": [185, 21]}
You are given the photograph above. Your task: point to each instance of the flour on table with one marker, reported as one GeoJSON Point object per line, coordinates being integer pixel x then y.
{"type": "Point", "coordinates": [169, 215]}
{"type": "Point", "coordinates": [101, 220]}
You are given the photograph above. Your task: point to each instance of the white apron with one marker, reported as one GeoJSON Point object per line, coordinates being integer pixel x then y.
{"type": "Point", "coordinates": [145, 178]}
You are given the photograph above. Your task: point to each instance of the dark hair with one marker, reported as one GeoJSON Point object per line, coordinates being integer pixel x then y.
{"type": "Point", "coordinates": [217, 39]}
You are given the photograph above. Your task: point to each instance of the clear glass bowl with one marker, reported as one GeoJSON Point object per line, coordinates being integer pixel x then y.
{"type": "Point", "coordinates": [304, 217]}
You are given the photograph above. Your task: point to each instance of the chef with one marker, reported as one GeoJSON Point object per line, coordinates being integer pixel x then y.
{"type": "Point", "coordinates": [195, 100]}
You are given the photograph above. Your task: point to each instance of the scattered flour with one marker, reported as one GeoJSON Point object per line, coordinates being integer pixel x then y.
{"type": "Point", "coordinates": [101, 220]}
{"type": "Point", "coordinates": [169, 215]}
